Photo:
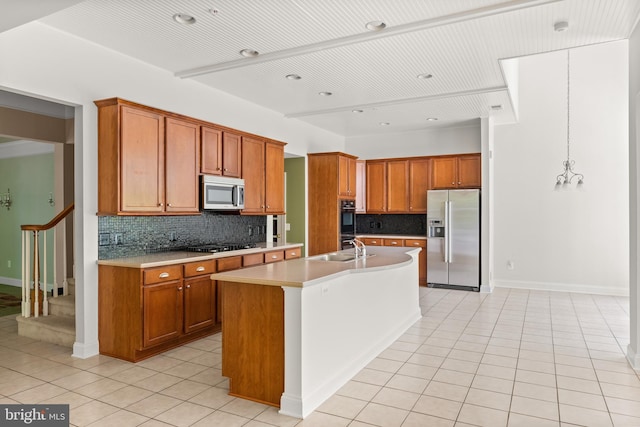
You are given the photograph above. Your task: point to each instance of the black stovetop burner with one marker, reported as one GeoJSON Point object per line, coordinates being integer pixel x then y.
{"type": "Point", "coordinates": [220, 247]}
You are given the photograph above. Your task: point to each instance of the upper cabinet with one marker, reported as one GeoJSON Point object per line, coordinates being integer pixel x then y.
{"type": "Point", "coordinates": [361, 186]}
{"type": "Point", "coordinates": [397, 186]}
{"type": "Point", "coordinates": [463, 171]}
{"type": "Point", "coordinates": [419, 184]}
{"type": "Point", "coordinates": [376, 186]}
{"type": "Point", "coordinates": [263, 173]}
{"type": "Point", "coordinates": [221, 153]}
{"type": "Point", "coordinates": [346, 177]}
{"type": "Point", "coordinates": [147, 162]}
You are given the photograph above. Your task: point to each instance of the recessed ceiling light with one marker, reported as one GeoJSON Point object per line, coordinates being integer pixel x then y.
{"type": "Point", "coordinates": [184, 19]}
{"type": "Point", "coordinates": [424, 76]}
{"type": "Point", "coordinates": [357, 111]}
{"type": "Point", "coordinates": [496, 107]}
{"type": "Point", "coordinates": [375, 25]}
{"type": "Point", "coordinates": [561, 26]}
{"type": "Point", "coordinates": [249, 53]}
{"type": "Point", "coordinates": [384, 123]}
{"type": "Point", "coordinates": [325, 93]}
{"type": "Point", "coordinates": [292, 77]}
{"type": "Point", "coordinates": [432, 119]}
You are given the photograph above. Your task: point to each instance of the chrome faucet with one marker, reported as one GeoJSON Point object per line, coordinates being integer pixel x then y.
{"type": "Point", "coordinates": [359, 247]}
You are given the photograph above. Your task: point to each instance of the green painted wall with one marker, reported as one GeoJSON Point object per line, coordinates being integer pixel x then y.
{"type": "Point", "coordinates": [296, 187]}
{"type": "Point", "coordinates": [30, 179]}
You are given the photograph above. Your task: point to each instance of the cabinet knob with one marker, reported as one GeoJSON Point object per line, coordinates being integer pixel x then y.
{"type": "Point", "coordinates": [225, 169]}
{"type": "Point", "coordinates": [188, 286]}
{"type": "Point", "coordinates": [163, 275]}
{"type": "Point", "coordinates": [217, 169]}
{"type": "Point", "coordinates": [453, 183]}
{"type": "Point", "coordinates": [201, 268]}
{"type": "Point", "coordinates": [180, 288]}
{"type": "Point", "coordinates": [169, 204]}
{"type": "Point", "coordinates": [160, 204]}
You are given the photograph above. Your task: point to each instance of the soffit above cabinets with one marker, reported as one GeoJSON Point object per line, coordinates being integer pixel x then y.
{"type": "Point", "coordinates": [459, 42]}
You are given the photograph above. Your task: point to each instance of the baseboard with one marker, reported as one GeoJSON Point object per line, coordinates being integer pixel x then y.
{"type": "Point", "coordinates": [84, 351]}
{"type": "Point", "coordinates": [11, 281]}
{"type": "Point", "coordinates": [633, 357]}
{"type": "Point", "coordinates": [562, 287]}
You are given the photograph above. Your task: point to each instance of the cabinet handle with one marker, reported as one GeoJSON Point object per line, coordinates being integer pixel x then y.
{"type": "Point", "coordinates": [274, 256]}
{"type": "Point", "coordinates": [459, 182]}
{"type": "Point", "coordinates": [180, 288]}
{"type": "Point", "coordinates": [163, 275]}
{"type": "Point", "coordinates": [201, 268]}
{"type": "Point", "coordinates": [188, 286]}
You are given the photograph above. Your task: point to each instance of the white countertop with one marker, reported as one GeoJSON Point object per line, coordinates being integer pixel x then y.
{"type": "Point", "coordinates": [180, 257]}
{"type": "Point", "coordinates": [304, 272]}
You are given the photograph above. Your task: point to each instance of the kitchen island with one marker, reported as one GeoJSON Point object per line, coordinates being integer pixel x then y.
{"type": "Point", "coordinates": [293, 333]}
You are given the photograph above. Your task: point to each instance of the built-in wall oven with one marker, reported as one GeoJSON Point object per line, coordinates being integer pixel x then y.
{"type": "Point", "coordinates": [347, 223]}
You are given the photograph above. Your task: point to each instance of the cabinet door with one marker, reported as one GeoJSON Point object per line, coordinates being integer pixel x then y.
{"type": "Point", "coordinates": [397, 186]}
{"type": "Point", "coordinates": [274, 178]}
{"type": "Point", "coordinates": [211, 151]}
{"type": "Point", "coordinates": [142, 161]}
{"type": "Point", "coordinates": [231, 155]}
{"type": "Point", "coordinates": [182, 166]}
{"type": "Point", "coordinates": [361, 186]}
{"type": "Point", "coordinates": [162, 308]}
{"type": "Point", "coordinates": [444, 172]}
{"type": "Point", "coordinates": [376, 193]}
{"type": "Point", "coordinates": [418, 185]}
{"type": "Point", "coordinates": [199, 303]}
{"type": "Point", "coordinates": [253, 174]}
{"type": "Point", "coordinates": [422, 257]}
{"type": "Point", "coordinates": [372, 241]}
{"type": "Point", "coordinates": [469, 175]}
{"type": "Point", "coordinates": [346, 177]}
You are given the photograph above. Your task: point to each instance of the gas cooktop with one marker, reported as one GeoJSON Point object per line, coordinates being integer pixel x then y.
{"type": "Point", "coordinates": [220, 247]}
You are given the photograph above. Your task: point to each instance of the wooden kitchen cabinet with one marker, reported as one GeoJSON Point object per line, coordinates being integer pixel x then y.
{"type": "Point", "coordinates": [393, 242]}
{"type": "Point", "coordinates": [331, 179]}
{"type": "Point", "coordinates": [397, 186]}
{"type": "Point", "coordinates": [225, 264]}
{"type": "Point", "coordinates": [422, 257]}
{"type": "Point", "coordinates": [147, 161]}
{"type": "Point", "coordinates": [361, 186]}
{"type": "Point", "coordinates": [273, 256]}
{"type": "Point", "coordinates": [221, 153]}
{"type": "Point", "coordinates": [463, 171]}
{"type": "Point", "coordinates": [419, 184]}
{"type": "Point", "coordinates": [346, 177]}
{"type": "Point", "coordinates": [162, 311]}
{"type": "Point", "coordinates": [263, 173]}
{"type": "Point", "coordinates": [199, 295]}
{"type": "Point", "coordinates": [373, 241]}
{"type": "Point", "coordinates": [376, 186]}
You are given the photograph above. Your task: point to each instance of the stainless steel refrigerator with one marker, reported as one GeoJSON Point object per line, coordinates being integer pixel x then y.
{"type": "Point", "coordinates": [453, 239]}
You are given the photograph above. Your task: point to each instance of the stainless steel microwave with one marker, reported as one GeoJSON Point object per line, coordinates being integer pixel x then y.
{"type": "Point", "coordinates": [222, 193]}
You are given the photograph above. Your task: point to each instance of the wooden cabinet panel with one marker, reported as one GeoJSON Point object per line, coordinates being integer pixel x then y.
{"type": "Point", "coordinates": [162, 310]}
{"type": "Point", "coordinates": [376, 187]}
{"type": "Point", "coordinates": [225, 264]}
{"type": "Point", "coordinates": [444, 172]}
{"type": "Point", "coordinates": [274, 178]}
{"type": "Point", "coordinates": [252, 259]}
{"type": "Point", "coordinates": [162, 274]}
{"type": "Point", "coordinates": [211, 151]}
{"type": "Point", "coordinates": [273, 256]}
{"type": "Point", "coordinates": [142, 161]}
{"type": "Point", "coordinates": [182, 157]}
{"type": "Point", "coordinates": [361, 186]}
{"type": "Point", "coordinates": [397, 186]}
{"type": "Point", "coordinates": [199, 303]}
{"type": "Point", "coordinates": [253, 168]}
{"type": "Point", "coordinates": [419, 184]}
{"type": "Point", "coordinates": [231, 155]}
{"type": "Point", "coordinates": [422, 257]}
{"type": "Point", "coordinates": [393, 242]}
{"type": "Point", "coordinates": [346, 177]}
{"type": "Point", "coordinates": [200, 268]}
{"type": "Point", "coordinates": [373, 241]}
{"type": "Point", "coordinates": [469, 171]}
{"type": "Point", "coordinates": [292, 253]}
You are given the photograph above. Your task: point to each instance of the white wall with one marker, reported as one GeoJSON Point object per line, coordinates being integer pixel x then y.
{"type": "Point", "coordinates": [440, 140]}
{"type": "Point", "coordinates": [565, 240]}
{"type": "Point", "coordinates": [46, 63]}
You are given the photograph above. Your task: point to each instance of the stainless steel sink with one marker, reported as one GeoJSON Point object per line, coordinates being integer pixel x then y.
{"type": "Point", "coordinates": [336, 257]}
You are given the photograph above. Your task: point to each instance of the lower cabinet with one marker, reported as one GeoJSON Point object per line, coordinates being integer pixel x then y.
{"type": "Point", "coordinates": [422, 256]}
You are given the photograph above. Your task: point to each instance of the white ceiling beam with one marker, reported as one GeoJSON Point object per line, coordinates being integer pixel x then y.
{"type": "Point", "coordinates": [427, 24]}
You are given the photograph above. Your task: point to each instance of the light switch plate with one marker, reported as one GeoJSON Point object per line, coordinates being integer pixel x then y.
{"type": "Point", "coordinates": [104, 239]}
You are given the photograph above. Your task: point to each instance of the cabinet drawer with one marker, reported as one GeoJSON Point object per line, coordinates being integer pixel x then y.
{"type": "Point", "coordinates": [273, 256]}
{"type": "Point", "coordinates": [229, 263]}
{"type": "Point", "coordinates": [292, 253]}
{"type": "Point", "coordinates": [371, 241]}
{"type": "Point", "coordinates": [393, 242]}
{"type": "Point", "coordinates": [199, 268]}
{"type": "Point", "coordinates": [422, 243]}
{"type": "Point", "coordinates": [162, 274]}
{"type": "Point", "coordinates": [252, 259]}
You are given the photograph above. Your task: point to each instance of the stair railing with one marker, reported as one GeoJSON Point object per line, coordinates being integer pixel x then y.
{"type": "Point", "coordinates": [32, 279]}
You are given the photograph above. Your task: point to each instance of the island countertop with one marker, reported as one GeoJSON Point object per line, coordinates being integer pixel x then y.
{"type": "Point", "coordinates": [180, 257]}
{"type": "Point", "coordinates": [309, 271]}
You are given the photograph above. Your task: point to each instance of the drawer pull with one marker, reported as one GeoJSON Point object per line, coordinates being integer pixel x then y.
{"type": "Point", "coordinates": [201, 268]}
{"type": "Point", "coordinates": [180, 288]}
{"type": "Point", "coordinates": [274, 256]}
{"type": "Point", "coordinates": [163, 275]}
{"type": "Point", "coordinates": [188, 286]}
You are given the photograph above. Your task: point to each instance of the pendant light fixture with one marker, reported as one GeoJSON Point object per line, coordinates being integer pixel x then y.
{"type": "Point", "coordinates": [565, 178]}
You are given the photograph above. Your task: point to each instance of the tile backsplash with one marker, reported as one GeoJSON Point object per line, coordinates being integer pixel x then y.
{"type": "Point", "coordinates": [122, 236]}
{"type": "Point", "coordinates": [412, 224]}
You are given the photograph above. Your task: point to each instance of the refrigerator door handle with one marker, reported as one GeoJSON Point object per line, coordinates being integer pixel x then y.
{"type": "Point", "coordinates": [448, 232]}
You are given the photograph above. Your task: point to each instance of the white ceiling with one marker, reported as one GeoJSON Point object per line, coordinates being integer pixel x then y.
{"type": "Point", "coordinates": [460, 42]}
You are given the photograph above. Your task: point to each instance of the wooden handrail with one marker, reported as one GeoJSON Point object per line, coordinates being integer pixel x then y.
{"type": "Point", "coordinates": [51, 223]}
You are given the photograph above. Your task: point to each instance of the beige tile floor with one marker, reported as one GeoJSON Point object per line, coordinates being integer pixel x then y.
{"type": "Point", "coordinates": [510, 358]}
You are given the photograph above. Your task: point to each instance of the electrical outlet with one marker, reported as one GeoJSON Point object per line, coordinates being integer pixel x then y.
{"type": "Point", "coordinates": [9, 263]}
{"type": "Point", "coordinates": [173, 236]}
{"type": "Point", "coordinates": [511, 265]}
{"type": "Point", "coordinates": [117, 238]}
{"type": "Point", "coordinates": [250, 231]}
{"type": "Point", "coordinates": [104, 239]}
{"type": "Point", "coordinates": [287, 227]}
